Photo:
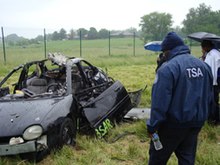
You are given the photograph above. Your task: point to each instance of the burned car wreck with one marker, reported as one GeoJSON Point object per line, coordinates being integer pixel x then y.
{"type": "Point", "coordinates": [45, 103]}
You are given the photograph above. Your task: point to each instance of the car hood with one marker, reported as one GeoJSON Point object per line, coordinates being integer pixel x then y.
{"type": "Point", "coordinates": [16, 116]}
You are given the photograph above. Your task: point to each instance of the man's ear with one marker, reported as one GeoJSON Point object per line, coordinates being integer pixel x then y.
{"type": "Point", "coordinates": [166, 53]}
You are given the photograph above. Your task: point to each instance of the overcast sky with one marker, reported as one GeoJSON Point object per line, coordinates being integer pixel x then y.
{"type": "Point", "coordinates": [27, 17]}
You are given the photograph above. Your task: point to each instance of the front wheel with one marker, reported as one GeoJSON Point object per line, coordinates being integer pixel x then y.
{"type": "Point", "coordinates": [67, 133]}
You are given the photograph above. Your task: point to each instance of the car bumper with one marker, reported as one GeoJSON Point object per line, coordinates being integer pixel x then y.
{"type": "Point", "coordinates": [29, 146]}
{"type": "Point", "coordinates": [7, 149]}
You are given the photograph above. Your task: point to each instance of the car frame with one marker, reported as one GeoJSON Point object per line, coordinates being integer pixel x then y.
{"type": "Point", "coordinates": [48, 104]}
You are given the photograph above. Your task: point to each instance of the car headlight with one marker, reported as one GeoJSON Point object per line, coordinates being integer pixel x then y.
{"type": "Point", "coordinates": [32, 132]}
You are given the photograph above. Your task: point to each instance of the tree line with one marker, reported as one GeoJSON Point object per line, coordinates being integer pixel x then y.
{"type": "Point", "coordinates": [90, 34]}
{"type": "Point", "coordinates": [153, 26]}
{"type": "Point", "coordinates": [62, 34]}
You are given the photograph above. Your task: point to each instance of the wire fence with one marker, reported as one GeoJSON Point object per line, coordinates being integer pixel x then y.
{"type": "Point", "coordinates": [18, 48]}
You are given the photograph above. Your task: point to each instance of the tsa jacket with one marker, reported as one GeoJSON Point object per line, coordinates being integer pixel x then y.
{"type": "Point", "coordinates": [181, 93]}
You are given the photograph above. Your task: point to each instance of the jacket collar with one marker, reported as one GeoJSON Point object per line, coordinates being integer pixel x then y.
{"type": "Point", "coordinates": [179, 50]}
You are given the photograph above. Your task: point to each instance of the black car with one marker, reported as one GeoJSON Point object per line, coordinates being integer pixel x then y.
{"type": "Point", "coordinates": [43, 104]}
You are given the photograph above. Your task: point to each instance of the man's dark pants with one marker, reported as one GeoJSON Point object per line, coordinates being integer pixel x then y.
{"type": "Point", "coordinates": [216, 100]}
{"type": "Point", "coordinates": [181, 141]}
{"type": "Point", "coordinates": [214, 116]}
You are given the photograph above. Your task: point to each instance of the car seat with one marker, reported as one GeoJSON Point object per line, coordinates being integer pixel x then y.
{"type": "Point", "coordinates": [37, 85]}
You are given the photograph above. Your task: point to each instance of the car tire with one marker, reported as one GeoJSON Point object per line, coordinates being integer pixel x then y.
{"type": "Point", "coordinates": [67, 132]}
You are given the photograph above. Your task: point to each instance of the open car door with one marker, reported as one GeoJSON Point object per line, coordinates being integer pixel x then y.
{"type": "Point", "coordinates": [106, 109]}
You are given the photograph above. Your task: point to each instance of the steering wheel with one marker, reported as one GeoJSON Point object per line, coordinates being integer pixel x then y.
{"type": "Point", "coordinates": [54, 87]}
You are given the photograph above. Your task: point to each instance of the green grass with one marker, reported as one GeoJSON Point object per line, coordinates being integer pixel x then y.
{"type": "Point", "coordinates": [134, 72]}
{"type": "Point", "coordinates": [130, 149]}
{"type": "Point", "coordinates": [90, 49]}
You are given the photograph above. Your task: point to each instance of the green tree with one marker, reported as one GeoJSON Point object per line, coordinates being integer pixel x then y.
{"type": "Point", "coordinates": [62, 34]}
{"type": "Point", "coordinates": [103, 33]}
{"type": "Point", "coordinates": [39, 38]}
{"type": "Point", "coordinates": [84, 32]}
{"type": "Point", "coordinates": [55, 36]}
{"type": "Point", "coordinates": [155, 26]}
{"type": "Point", "coordinates": [23, 42]}
{"type": "Point", "coordinates": [202, 19]}
{"type": "Point", "coordinates": [92, 34]}
{"type": "Point", "coordinates": [72, 34]}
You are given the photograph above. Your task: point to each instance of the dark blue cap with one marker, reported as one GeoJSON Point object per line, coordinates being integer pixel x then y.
{"type": "Point", "coordinates": [171, 41]}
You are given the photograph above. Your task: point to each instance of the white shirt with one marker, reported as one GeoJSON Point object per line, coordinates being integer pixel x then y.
{"type": "Point", "coordinates": [213, 60]}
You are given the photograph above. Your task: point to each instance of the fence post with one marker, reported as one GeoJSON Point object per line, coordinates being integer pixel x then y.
{"type": "Point", "coordinates": [45, 46]}
{"type": "Point", "coordinates": [3, 44]}
{"type": "Point", "coordinates": [80, 38]}
{"type": "Point", "coordinates": [109, 43]}
{"type": "Point", "coordinates": [134, 44]}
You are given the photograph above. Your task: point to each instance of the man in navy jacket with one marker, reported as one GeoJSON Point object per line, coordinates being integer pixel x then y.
{"type": "Point", "coordinates": [181, 100]}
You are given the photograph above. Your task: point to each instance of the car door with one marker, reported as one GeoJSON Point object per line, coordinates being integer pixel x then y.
{"type": "Point", "coordinates": [106, 109]}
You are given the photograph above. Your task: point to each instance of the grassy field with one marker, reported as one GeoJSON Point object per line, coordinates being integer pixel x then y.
{"type": "Point", "coordinates": [134, 72]}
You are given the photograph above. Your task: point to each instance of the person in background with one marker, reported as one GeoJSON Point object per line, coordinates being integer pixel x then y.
{"type": "Point", "coordinates": [180, 102]}
{"type": "Point", "coordinates": [213, 60]}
